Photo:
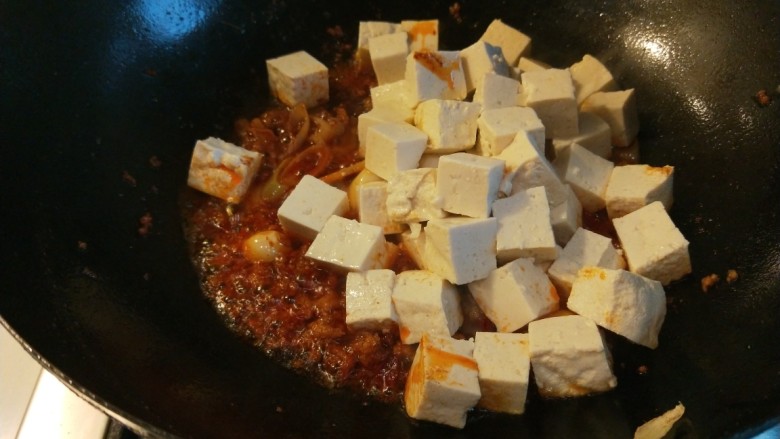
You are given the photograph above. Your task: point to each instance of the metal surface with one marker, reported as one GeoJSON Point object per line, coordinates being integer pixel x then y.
{"type": "Point", "coordinates": [89, 93]}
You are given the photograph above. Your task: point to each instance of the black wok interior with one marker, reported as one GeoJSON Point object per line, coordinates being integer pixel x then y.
{"type": "Point", "coordinates": [91, 90]}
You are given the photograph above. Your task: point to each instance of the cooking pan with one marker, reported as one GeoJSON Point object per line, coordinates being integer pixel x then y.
{"type": "Point", "coordinates": [102, 101]}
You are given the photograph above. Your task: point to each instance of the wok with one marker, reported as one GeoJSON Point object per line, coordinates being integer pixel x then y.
{"type": "Point", "coordinates": [92, 91]}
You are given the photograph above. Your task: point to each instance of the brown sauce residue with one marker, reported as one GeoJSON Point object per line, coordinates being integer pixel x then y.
{"type": "Point", "coordinates": [436, 65]}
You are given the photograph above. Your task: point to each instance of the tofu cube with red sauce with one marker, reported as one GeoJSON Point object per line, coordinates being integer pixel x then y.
{"type": "Point", "coordinates": [369, 298]}
{"type": "Point", "coordinates": [434, 75]}
{"type": "Point", "coordinates": [423, 34]}
{"type": "Point", "coordinates": [298, 78]}
{"type": "Point", "coordinates": [222, 169]}
{"type": "Point", "coordinates": [443, 382]}
{"type": "Point", "coordinates": [504, 371]}
{"type": "Point", "coordinates": [309, 205]}
{"type": "Point", "coordinates": [347, 245]}
{"type": "Point", "coordinates": [425, 303]}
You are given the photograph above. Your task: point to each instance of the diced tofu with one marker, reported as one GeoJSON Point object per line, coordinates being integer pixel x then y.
{"type": "Point", "coordinates": [529, 65]}
{"type": "Point", "coordinates": [662, 426]}
{"type": "Point", "coordinates": [587, 174]}
{"type": "Point", "coordinates": [512, 42]}
{"type": "Point", "coordinates": [434, 75]}
{"type": "Point", "coordinates": [372, 207]}
{"type": "Point", "coordinates": [412, 196]}
{"type": "Point", "coordinates": [443, 382]}
{"type": "Point", "coordinates": [653, 245]}
{"type": "Point", "coordinates": [618, 109]}
{"type": "Point", "coordinates": [467, 184]}
{"type": "Point", "coordinates": [479, 59]}
{"type": "Point", "coordinates": [371, 29]}
{"type": "Point", "coordinates": [426, 304]}
{"type": "Point", "coordinates": [393, 147]}
{"type": "Point", "coordinates": [413, 241]}
{"type": "Point", "coordinates": [423, 34]}
{"type": "Point", "coordinates": [499, 127]}
{"type": "Point", "coordinates": [584, 249]}
{"type": "Point", "coordinates": [527, 167]}
{"type": "Point", "coordinates": [222, 169]}
{"type": "Point", "coordinates": [594, 135]}
{"type": "Point", "coordinates": [461, 250]}
{"type": "Point", "coordinates": [395, 96]}
{"type": "Point", "coordinates": [634, 186]}
{"type": "Point", "coordinates": [298, 78]}
{"type": "Point", "coordinates": [589, 76]}
{"type": "Point", "coordinates": [388, 56]}
{"type": "Point", "coordinates": [369, 298]}
{"type": "Point", "coordinates": [566, 217]}
{"type": "Point", "coordinates": [365, 176]}
{"type": "Point", "coordinates": [625, 303]}
{"type": "Point", "coordinates": [524, 229]}
{"type": "Point", "coordinates": [309, 206]}
{"type": "Point", "coordinates": [569, 357]}
{"type": "Point", "coordinates": [380, 115]}
{"type": "Point", "coordinates": [551, 94]}
{"type": "Point", "coordinates": [430, 160]}
{"type": "Point", "coordinates": [504, 371]}
{"type": "Point", "coordinates": [348, 245]}
{"type": "Point", "coordinates": [450, 125]}
{"type": "Point", "coordinates": [515, 294]}
{"type": "Point", "coordinates": [496, 91]}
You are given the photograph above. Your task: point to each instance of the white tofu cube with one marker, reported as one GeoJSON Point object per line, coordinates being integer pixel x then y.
{"type": "Point", "coordinates": [525, 64]}
{"type": "Point", "coordinates": [363, 177]}
{"type": "Point", "coordinates": [451, 125]}
{"type": "Point", "coordinates": [298, 78]}
{"type": "Point", "coordinates": [393, 147]}
{"type": "Point", "coordinates": [589, 76]}
{"type": "Point", "coordinates": [369, 298]}
{"type": "Point", "coordinates": [310, 204]}
{"type": "Point", "coordinates": [625, 303]}
{"type": "Point", "coordinates": [569, 357]}
{"type": "Point", "coordinates": [524, 229]}
{"type": "Point", "coordinates": [395, 96]}
{"type": "Point", "coordinates": [618, 109]}
{"type": "Point", "coordinates": [504, 371]}
{"type": "Point", "coordinates": [388, 56]}
{"type": "Point", "coordinates": [423, 34]}
{"type": "Point", "coordinates": [527, 167]}
{"type": "Point", "coordinates": [584, 249]}
{"type": "Point", "coordinates": [348, 245]}
{"type": "Point", "coordinates": [497, 91]}
{"type": "Point", "coordinates": [587, 174]}
{"type": "Point", "coordinates": [372, 207]}
{"type": "Point", "coordinates": [377, 116]}
{"type": "Point", "coordinates": [412, 196]}
{"type": "Point", "coordinates": [467, 184]}
{"type": "Point", "coordinates": [515, 294]}
{"type": "Point", "coordinates": [512, 42]}
{"type": "Point", "coordinates": [443, 382]}
{"type": "Point", "coordinates": [222, 169]}
{"type": "Point", "coordinates": [461, 250]}
{"type": "Point", "coordinates": [653, 245]}
{"type": "Point", "coordinates": [550, 93]}
{"type": "Point", "coordinates": [479, 59]}
{"type": "Point", "coordinates": [371, 29]}
{"type": "Point", "coordinates": [426, 304]}
{"type": "Point", "coordinates": [566, 217]}
{"type": "Point", "coordinates": [499, 127]}
{"type": "Point", "coordinates": [594, 135]}
{"type": "Point", "coordinates": [634, 186]}
{"type": "Point", "coordinates": [434, 75]}
{"type": "Point", "coordinates": [413, 242]}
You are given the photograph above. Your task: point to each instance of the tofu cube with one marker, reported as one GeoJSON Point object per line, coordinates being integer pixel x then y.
{"type": "Point", "coordinates": [566, 217]}
{"type": "Point", "coordinates": [363, 177]}
{"type": "Point", "coordinates": [434, 75]}
{"type": "Point", "coordinates": [369, 299]}
{"type": "Point", "coordinates": [371, 29]}
{"type": "Point", "coordinates": [372, 207]}
{"type": "Point", "coordinates": [395, 96]}
{"type": "Point", "coordinates": [527, 167]}
{"type": "Point", "coordinates": [423, 34]}
{"type": "Point", "coordinates": [525, 64]}
{"type": "Point", "coordinates": [618, 110]}
{"type": "Point", "coordinates": [348, 245]}
{"type": "Point", "coordinates": [497, 91]}
{"type": "Point", "coordinates": [309, 206]}
{"type": "Point", "coordinates": [451, 125]}
{"type": "Point", "coordinates": [634, 186]}
{"type": "Point", "coordinates": [512, 42]}
{"type": "Point", "coordinates": [479, 59]}
{"type": "Point", "coordinates": [393, 147]}
{"type": "Point", "coordinates": [653, 245]}
{"type": "Point", "coordinates": [569, 357]}
{"type": "Point", "coordinates": [594, 135]}
{"type": "Point", "coordinates": [498, 128]}
{"type": "Point", "coordinates": [524, 229]}
{"type": "Point", "coordinates": [413, 242]}
{"type": "Point", "coordinates": [587, 174]}
{"type": "Point", "coordinates": [625, 303]}
{"type": "Point", "coordinates": [504, 371]}
{"type": "Point", "coordinates": [426, 304]}
{"type": "Point", "coordinates": [461, 250]}
{"type": "Point", "coordinates": [412, 196]}
{"type": "Point", "coordinates": [589, 76]}
{"type": "Point", "coordinates": [584, 249]}
{"type": "Point", "coordinates": [443, 382]}
{"type": "Point", "coordinates": [298, 78]}
{"type": "Point", "coordinates": [222, 169]}
{"type": "Point", "coordinates": [377, 116]}
{"type": "Point", "coordinates": [550, 93]}
{"type": "Point", "coordinates": [388, 56]}
{"type": "Point", "coordinates": [515, 294]}
{"type": "Point", "coordinates": [467, 184]}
